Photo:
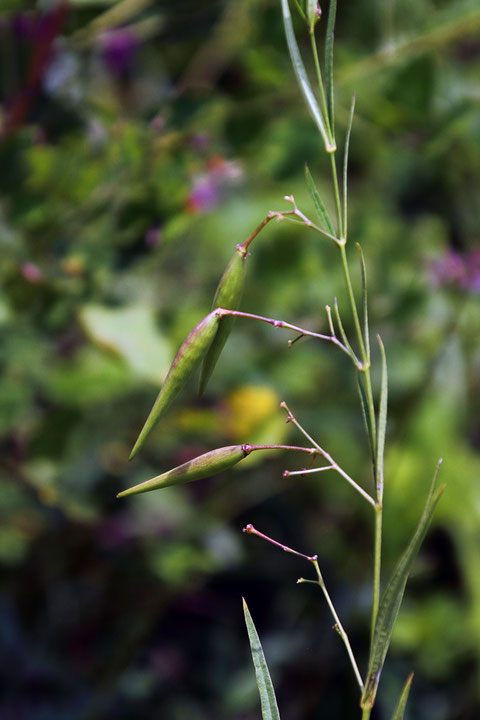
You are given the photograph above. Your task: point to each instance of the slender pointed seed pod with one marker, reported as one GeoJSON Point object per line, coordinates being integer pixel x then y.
{"type": "Point", "coordinates": [200, 467]}
{"type": "Point", "coordinates": [228, 295]}
{"type": "Point", "coordinates": [183, 365]}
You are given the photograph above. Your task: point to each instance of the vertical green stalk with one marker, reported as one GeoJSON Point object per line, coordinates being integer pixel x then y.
{"type": "Point", "coordinates": [362, 338]}
{"type": "Point", "coordinates": [318, 71]}
{"type": "Point", "coordinates": [377, 566]}
{"type": "Point", "coordinates": [338, 202]}
{"type": "Point", "coordinates": [371, 412]}
{"type": "Point", "coordinates": [366, 713]}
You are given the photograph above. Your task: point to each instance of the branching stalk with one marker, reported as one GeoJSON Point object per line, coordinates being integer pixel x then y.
{"type": "Point", "coordinates": [313, 559]}
{"type": "Point", "coordinates": [291, 418]}
{"type": "Point", "coordinates": [223, 312]}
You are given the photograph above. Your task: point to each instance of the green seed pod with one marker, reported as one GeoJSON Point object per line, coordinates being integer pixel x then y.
{"type": "Point", "coordinates": [210, 463]}
{"type": "Point", "coordinates": [183, 365]}
{"type": "Point", "coordinates": [228, 295]}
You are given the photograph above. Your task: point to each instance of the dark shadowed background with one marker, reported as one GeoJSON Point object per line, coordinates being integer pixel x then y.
{"type": "Point", "coordinates": [139, 142]}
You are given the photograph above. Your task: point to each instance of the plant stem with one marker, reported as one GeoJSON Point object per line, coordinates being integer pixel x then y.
{"type": "Point", "coordinates": [282, 324]}
{"type": "Point", "coordinates": [297, 448]}
{"type": "Point", "coordinates": [371, 412]}
{"type": "Point", "coordinates": [246, 243]}
{"type": "Point", "coordinates": [337, 196]}
{"type": "Point", "coordinates": [338, 625]}
{"type": "Point", "coordinates": [377, 565]}
{"type": "Point", "coordinates": [326, 118]}
{"type": "Point", "coordinates": [328, 457]}
{"type": "Point", "coordinates": [307, 471]}
{"type": "Point", "coordinates": [250, 530]}
{"type": "Point", "coordinates": [366, 713]}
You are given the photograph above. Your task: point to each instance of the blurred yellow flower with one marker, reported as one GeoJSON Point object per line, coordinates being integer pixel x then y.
{"type": "Point", "coordinates": [248, 409]}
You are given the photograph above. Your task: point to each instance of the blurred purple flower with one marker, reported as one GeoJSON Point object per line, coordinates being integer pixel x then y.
{"type": "Point", "coordinates": [157, 124]}
{"type": "Point", "coordinates": [23, 25]}
{"type": "Point", "coordinates": [207, 189]}
{"type": "Point", "coordinates": [200, 141]}
{"type": "Point", "coordinates": [204, 194]}
{"type": "Point", "coordinates": [118, 49]}
{"type": "Point", "coordinates": [31, 272]}
{"type": "Point", "coordinates": [153, 236]}
{"type": "Point", "coordinates": [456, 270]}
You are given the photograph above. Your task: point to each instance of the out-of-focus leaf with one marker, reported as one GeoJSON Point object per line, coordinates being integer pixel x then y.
{"type": "Point", "coordinates": [382, 421]}
{"type": "Point", "coordinates": [402, 701]}
{"type": "Point", "coordinates": [392, 598]}
{"type": "Point", "coordinates": [264, 682]}
{"type": "Point", "coordinates": [345, 168]}
{"type": "Point", "coordinates": [302, 78]}
{"type": "Point", "coordinates": [91, 377]}
{"type": "Point", "coordinates": [131, 333]}
{"type": "Point", "coordinates": [329, 87]}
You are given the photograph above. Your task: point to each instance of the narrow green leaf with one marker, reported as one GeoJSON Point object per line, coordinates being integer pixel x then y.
{"type": "Point", "coordinates": [392, 597]}
{"type": "Point", "coordinates": [345, 167]}
{"type": "Point", "coordinates": [332, 11]}
{"type": "Point", "coordinates": [402, 701]}
{"type": "Point", "coordinates": [319, 206]}
{"type": "Point", "coordinates": [382, 422]}
{"type": "Point", "coordinates": [268, 700]}
{"type": "Point", "coordinates": [300, 10]}
{"type": "Point", "coordinates": [366, 334]}
{"type": "Point", "coordinates": [366, 418]}
{"type": "Point", "coordinates": [302, 78]}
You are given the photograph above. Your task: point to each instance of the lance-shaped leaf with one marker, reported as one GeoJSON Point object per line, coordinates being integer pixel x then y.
{"type": "Point", "coordinates": [402, 701]}
{"type": "Point", "coordinates": [187, 358]}
{"type": "Point", "coordinates": [382, 423]}
{"type": "Point", "coordinates": [228, 295]}
{"type": "Point", "coordinates": [302, 78]}
{"type": "Point", "coordinates": [366, 420]}
{"type": "Point", "coordinates": [392, 598]}
{"type": "Point", "coordinates": [268, 700]}
{"type": "Point", "coordinates": [319, 206]}
{"type": "Point", "coordinates": [366, 335]}
{"type": "Point", "coordinates": [345, 169]}
{"type": "Point", "coordinates": [210, 463]}
{"type": "Point", "coordinates": [329, 62]}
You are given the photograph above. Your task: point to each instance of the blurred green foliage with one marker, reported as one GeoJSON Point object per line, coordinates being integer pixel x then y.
{"type": "Point", "coordinates": [139, 143]}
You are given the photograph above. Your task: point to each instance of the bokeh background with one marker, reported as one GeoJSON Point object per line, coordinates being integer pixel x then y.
{"type": "Point", "coordinates": [140, 141]}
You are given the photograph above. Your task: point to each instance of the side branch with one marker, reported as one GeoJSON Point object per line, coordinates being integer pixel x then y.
{"type": "Point", "coordinates": [250, 530]}
{"type": "Point", "coordinates": [332, 464]}
{"type": "Point", "coordinates": [223, 312]}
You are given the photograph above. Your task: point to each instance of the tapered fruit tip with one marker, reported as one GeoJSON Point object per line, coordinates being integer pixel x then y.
{"type": "Point", "coordinates": [244, 604]}
{"type": "Point", "coordinates": [128, 491]}
{"type": "Point", "coordinates": [133, 452]}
